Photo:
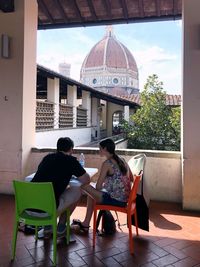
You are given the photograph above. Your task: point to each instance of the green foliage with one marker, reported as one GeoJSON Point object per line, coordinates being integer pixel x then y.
{"type": "Point", "coordinates": [154, 125]}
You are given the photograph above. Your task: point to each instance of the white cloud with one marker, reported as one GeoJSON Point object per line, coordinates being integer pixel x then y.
{"type": "Point", "coordinates": [153, 54]}
{"type": "Point", "coordinates": [82, 38]}
{"type": "Point", "coordinates": [155, 60]}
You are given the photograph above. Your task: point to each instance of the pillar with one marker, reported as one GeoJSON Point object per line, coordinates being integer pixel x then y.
{"type": "Point", "coordinates": [191, 105]}
{"type": "Point", "coordinates": [95, 131]}
{"type": "Point", "coordinates": [86, 103]}
{"type": "Point", "coordinates": [126, 113]}
{"type": "Point", "coordinates": [71, 100]}
{"type": "Point", "coordinates": [112, 108]}
{"type": "Point", "coordinates": [18, 92]}
{"type": "Point", "coordinates": [53, 92]}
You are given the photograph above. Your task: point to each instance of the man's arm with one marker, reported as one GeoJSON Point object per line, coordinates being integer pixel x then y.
{"type": "Point", "coordinates": [84, 179]}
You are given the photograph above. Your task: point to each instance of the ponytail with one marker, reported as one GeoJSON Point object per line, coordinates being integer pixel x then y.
{"type": "Point", "coordinates": [120, 163]}
{"type": "Point", "coordinates": [110, 146]}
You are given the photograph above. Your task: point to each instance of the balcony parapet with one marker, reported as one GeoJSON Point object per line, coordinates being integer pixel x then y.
{"type": "Point", "coordinates": [163, 171]}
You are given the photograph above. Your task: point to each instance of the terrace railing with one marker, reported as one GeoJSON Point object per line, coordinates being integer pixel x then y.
{"type": "Point", "coordinates": [44, 115]}
{"type": "Point", "coordinates": [65, 116]}
{"type": "Point", "coordinates": [81, 118]}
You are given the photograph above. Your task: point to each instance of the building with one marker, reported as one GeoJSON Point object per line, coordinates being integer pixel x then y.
{"type": "Point", "coordinates": [110, 67]}
{"type": "Point", "coordinates": [64, 69]}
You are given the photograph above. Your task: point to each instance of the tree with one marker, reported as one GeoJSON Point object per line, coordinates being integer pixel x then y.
{"type": "Point", "coordinates": [154, 125]}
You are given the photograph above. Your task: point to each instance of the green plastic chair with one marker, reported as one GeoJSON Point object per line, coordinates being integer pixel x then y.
{"type": "Point", "coordinates": [38, 196]}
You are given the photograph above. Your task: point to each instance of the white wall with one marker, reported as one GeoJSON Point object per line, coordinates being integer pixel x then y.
{"type": "Point", "coordinates": [17, 91]}
{"type": "Point", "coordinates": [80, 136]}
{"type": "Point", "coordinates": [163, 178]}
{"type": "Point", "coordinates": [191, 104]}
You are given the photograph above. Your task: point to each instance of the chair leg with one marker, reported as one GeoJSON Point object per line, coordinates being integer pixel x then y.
{"type": "Point", "coordinates": [68, 226]}
{"type": "Point", "coordinates": [36, 233]}
{"type": "Point", "coordinates": [130, 234]}
{"type": "Point", "coordinates": [94, 226]}
{"type": "Point", "coordinates": [54, 243]}
{"type": "Point", "coordinates": [14, 240]}
{"type": "Point", "coordinates": [136, 222]}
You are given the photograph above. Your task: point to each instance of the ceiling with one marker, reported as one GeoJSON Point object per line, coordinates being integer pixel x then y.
{"type": "Point", "coordinates": [75, 13]}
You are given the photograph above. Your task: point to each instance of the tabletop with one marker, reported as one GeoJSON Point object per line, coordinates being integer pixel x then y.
{"type": "Point", "coordinates": [90, 171]}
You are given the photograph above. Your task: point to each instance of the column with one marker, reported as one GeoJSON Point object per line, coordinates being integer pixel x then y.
{"type": "Point", "coordinates": [72, 100]}
{"type": "Point", "coordinates": [191, 105]}
{"type": "Point", "coordinates": [18, 92]}
{"type": "Point", "coordinates": [53, 92]}
{"type": "Point", "coordinates": [112, 108]}
{"type": "Point", "coordinates": [86, 103]}
{"type": "Point", "coordinates": [94, 118]}
{"type": "Point", "coordinates": [126, 113]}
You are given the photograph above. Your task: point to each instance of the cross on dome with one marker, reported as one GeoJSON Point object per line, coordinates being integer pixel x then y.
{"type": "Point", "coordinates": [109, 30]}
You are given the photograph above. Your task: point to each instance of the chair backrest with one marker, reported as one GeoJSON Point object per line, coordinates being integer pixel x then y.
{"type": "Point", "coordinates": [137, 163]}
{"type": "Point", "coordinates": [38, 196]}
{"type": "Point", "coordinates": [133, 193]}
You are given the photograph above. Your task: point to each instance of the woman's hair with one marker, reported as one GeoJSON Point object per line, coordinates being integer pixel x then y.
{"type": "Point", "coordinates": [64, 144]}
{"type": "Point", "coordinates": [110, 146]}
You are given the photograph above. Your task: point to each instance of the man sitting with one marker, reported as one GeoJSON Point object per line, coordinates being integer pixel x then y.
{"type": "Point", "coordinates": [58, 168]}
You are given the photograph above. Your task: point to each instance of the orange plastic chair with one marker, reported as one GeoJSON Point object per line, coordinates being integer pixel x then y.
{"type": "Point", "coordinates": [130, 209]}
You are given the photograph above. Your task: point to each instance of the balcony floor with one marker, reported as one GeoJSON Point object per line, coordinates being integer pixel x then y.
{"type": "Point", "coordinates": [173, 240]}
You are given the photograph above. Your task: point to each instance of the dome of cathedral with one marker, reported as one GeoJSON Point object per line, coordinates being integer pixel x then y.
{"type": "Point", "coordinates": [110, 64]}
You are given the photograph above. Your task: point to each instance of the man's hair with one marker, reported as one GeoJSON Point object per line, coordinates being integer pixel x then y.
{"type": "Point", "coordinates": [64, 144]}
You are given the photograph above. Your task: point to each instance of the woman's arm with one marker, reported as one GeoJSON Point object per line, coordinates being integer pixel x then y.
{"type": "Point", "coordinates": [95, 193]}
{"type": "Point", "coordinates": [129, 172]}
{"type": "Point", "coordinates": [103, 173]}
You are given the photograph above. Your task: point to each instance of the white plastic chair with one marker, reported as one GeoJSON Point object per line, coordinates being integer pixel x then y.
{"type": "Point", "coordinates": [137, 164]}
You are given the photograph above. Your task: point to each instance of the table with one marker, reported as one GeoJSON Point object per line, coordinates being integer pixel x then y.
{"type": "Point", "coordinates": [74, 181]}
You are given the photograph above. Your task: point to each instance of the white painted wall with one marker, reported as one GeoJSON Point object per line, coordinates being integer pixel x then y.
{"type": "Point", "coordinates": [80, 136]}
{"type": "Point", "coordinates": [17, 92]}
{"type": "Point", "coordinates": [163, 179]}
{"type": "Point", "coordinates": [191, 104]}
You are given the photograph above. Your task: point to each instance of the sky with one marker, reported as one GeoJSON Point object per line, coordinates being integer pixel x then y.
{"type": "Point", "coordinates": [156, 47]}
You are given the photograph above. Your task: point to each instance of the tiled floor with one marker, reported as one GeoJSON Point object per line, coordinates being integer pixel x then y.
{"type": "Point", "coordinates": [173, 240]}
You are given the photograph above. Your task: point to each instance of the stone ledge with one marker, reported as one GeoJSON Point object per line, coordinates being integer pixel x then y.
{"type": "Point", "coordinates": [125, 152]}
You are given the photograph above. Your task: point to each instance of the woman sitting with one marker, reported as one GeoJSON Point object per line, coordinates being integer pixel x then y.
{"type": "Point", "coordinates": [113, 185]}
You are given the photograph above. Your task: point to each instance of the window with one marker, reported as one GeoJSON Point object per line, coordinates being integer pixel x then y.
{"type": "Point", "coordinates": [94, 81]}
{"type": "Point", "coordinates": [115, 81]}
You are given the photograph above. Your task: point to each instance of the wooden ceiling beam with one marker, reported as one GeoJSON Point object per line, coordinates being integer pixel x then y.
{"type": "Point", "coordinates": [124, 8]}
{"type": "Point", "coordinates": [158, 8]}
{"type": "Point", "coordinates": [107, 7]}
{"type": "Point", "coordinates": [141, 8]}
{"type": "Point", "coordinates": [77, 10]}
{"type": "Point", "coordinates": [92, 10]}
{"type": "Point", "coordinates": [45, 10]}
{"type": "Point", "coordinates": [61, 10]}
{"type": "Point", "coordinates": [175, 7]}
